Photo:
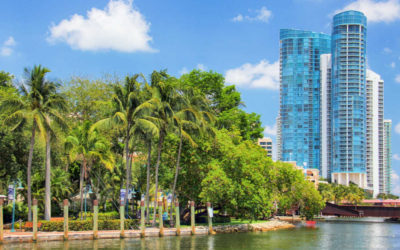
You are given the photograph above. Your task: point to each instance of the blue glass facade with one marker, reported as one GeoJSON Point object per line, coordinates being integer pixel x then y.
{"type": "Point", "coordinates": [300, 95]}
{"type": "Point", "coordinates": [349, 92]}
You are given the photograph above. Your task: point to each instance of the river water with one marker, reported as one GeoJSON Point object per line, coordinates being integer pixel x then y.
{"type": "Point", "coordinates": [326, 235]}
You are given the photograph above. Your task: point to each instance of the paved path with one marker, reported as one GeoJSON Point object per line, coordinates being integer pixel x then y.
{"type": "Point", "coordinates": [87, 235]}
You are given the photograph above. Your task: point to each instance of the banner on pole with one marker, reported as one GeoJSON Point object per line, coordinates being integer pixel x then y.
{"type": "Point", "coordinates": [122, 194]}
{"type": "Point", "coordinates": [210, 211]}
{"type": "Point", "coordinates": [11, 192]}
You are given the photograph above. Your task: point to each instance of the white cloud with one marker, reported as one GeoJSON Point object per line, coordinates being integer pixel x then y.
{"type": "Point", "coordinates": [8, 47]}
{"type": "Point", "coordinates": [376, 11]}
{"type": "Point", "coordinates": [270, 130]}
{"type": "Point", "coordinates": [397, 79]}
{"type": "Point", "coordinates": [262, 15]}
{"type": "Point", "coordinates": [395, 177]}
{"type": "Point", "coordinates": [10, 42]}
{"type": "Point", "coordinates": [118, 27]}
{"type": "Point", "coordinates": [393, 65]}
{"type": "Point", "coordinates": [396, 157]}
{"type": "Point", "coordinates": [262, 75]}
{"type": "Point", "coordinates": [397, 128]}
{"type": "Point", "coordinates": [238, 18]}
{"type": "Point", "coordinates": [387, 50]}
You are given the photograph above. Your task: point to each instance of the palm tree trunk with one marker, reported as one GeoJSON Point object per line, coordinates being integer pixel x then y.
{"type": "Point", "coordinates": [160, 143]}
{"type": "Point", "coordinates": [148, 182]}
{"type": "Point", "coordinates": [29, 171]}
{"type": "Point", "coordinates": [127, 164]}
{"type": "Point", "coordinates": [81, 185]}
{"type": "Point", "coordinates": [47, 200]}
{"type": "Point", "coordinates": [176, 177]}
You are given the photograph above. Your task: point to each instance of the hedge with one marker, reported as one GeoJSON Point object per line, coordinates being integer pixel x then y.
{"type": "Point", "coordinates": [114, 215]}
{"type": "Point", "coordinates": [87, 225]}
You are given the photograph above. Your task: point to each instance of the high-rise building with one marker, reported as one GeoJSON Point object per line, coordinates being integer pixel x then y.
{"type": "Point", "coordinates": [331, 106]}
{"type": "Point", "coordinates": [349, 98]}
{"type": "Point", "coordinates": [374, 132]}
{"type": "Point", "coordinates": [387, 156]}
{"type": "Point", "coordinates": [325, 114]}
{"type": "Point", "coordinates": [278, 139]}
{"type": "Point", "coordinates": [299, 115]}
{"type": "Point", "coordinates": [266, 143]}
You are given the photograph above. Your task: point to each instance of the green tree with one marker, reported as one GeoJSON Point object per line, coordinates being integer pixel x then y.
{"type": "Point", "coordinates": [191, 118]}
{"type": "Point", "coordinates": [86, 145]}
{"type": "Point", "coordinates": [128, 106]}
{"type": "Point", "coordinates": [88, 99]}
{"type": "Point", "coordinates": [35, 105]}
{"type": "Point", "coordinates": [164, 99]}
{"type": "Point", "coordinates": [6, 79]}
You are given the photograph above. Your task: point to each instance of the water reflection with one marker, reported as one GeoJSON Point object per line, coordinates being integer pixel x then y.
{"type": "Point", "coordinates": [332, 235]}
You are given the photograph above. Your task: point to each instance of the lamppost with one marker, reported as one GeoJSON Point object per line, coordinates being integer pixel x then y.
{"type": "Point", "coordinates": [13, 197]}
{"type": "Point", "coordinates": [131, 194]}
{"type": "Point", "coordinates": [88, 190]}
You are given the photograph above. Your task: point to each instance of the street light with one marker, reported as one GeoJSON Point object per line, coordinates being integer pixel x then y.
{"type": "Point", "coordinates": [13, 209]}
{"type": "Point", "coordinates": [88, 190]}
{"type": "Point", "coordinates": [131, 194]}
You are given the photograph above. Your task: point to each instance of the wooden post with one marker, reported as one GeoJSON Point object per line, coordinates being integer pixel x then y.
{"type": "Point", "coordinates": [65, 219]}
{"type": "Point", "coordinates": [160, 217]}
{"type": "Point", "coordinates": [1, 221]}
{"type": "Point", "coordinates": [192, 217]}
{"type": "Point", "coordinates": [95, 219]}
{"type": "Point", "coordinates": [35, 219]}
{"type": "Point", "coordinates": [178, 219]}
{"type": "Point", "coordinates": [122, 219]}
{"type": "Point", "coordinates": [142, 219]}
{"type": "Point", "coordinates": [210, 229]}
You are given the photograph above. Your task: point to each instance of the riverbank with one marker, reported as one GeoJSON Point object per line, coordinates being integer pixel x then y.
{"type": "Point", "coordinates": [150, 232]}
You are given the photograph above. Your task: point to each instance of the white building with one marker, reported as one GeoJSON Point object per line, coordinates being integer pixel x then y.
{"type": "Point", "coordinates": [374, 132]}
{"type": "Point", "coordinates": [387, 157]}
{"type": "Point", "coordinates": [325, 115]}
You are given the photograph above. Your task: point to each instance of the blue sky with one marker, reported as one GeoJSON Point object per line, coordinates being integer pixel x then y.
{"type": "Point", "coordinates": [237, 38]}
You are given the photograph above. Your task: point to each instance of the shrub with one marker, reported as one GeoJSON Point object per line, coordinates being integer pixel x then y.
{"type": "Point", "coordinates": [87, 225]}
{"type": "Point", "coordinates": [103, 216]}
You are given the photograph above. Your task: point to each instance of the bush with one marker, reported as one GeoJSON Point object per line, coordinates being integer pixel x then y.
{"type": "Point", "coordinates": [87, 225]}
{"type": "Point", "coordinates": [114, 215]}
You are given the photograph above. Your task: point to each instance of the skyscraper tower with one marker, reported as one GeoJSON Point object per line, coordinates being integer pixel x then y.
{"type": "Point", "coordinates": [374, 132]}
{"type": "Point", "coordinates": [387, 159]}
{"type": "Point", "coordinates": [299, 115]}
{"type": "Point", "coordinates": [326, 115]}
{"type": "Point", "coordinates": [349, 98]}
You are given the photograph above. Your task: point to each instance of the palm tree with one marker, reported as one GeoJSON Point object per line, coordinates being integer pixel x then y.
{"type": "Point", "coordinates": [36, 105]}
{"type": "Point", "coordinates": [128, 103]}
{"type": "Point", "coordinates": [86, 145]}
{"type": "Point", "coordinates": [53, 117]}
{"type": "Point", "coordinates": [164, 98]}
{"type": "Point", "coordinates": [145, 129]}
{"type": "Point", "coordinates": [191, 117]}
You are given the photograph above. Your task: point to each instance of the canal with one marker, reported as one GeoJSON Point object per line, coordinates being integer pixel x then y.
{"type": "Point", "coordinates": [326, 235]}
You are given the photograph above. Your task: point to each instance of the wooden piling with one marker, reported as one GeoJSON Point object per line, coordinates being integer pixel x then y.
{"type": "Point", "coordinates": [192, 217]}
{"type": "Point", "coordinates": [95, 219]}
{"type": "Point", "coordinates": [178, 219]}
{"type": "Point", "coordinates": [210, 229]}
{"type": "Point", "coordinates": [65, 219]}
{"type": "Point", "coordinates": [122, 219]}
{"type": "Point", "coordinates": [35, 219]}
{"type": "Point", "coordinates": [142, 219]}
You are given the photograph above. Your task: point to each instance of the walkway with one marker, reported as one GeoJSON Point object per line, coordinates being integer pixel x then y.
{"type": "Point", "coordinates": [88, 235]}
